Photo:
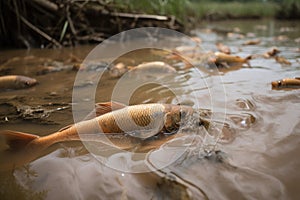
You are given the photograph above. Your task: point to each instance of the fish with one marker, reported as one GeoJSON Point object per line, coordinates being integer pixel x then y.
{"type": "Point", "coordinates": [230, 59]}
{"type": "Point", "coordinates": [148, 68]}
{"type": "Point", "coordinates": [271, 53]}
{"type": "Point", "coordinates": [117, 70]}
{"type": "Point", "coordinates": [286, 83]}
{"type": "Point", "coordinates": [16, 82]}
{"type": "Point", "coordinates": [139, 128]}
{"type": "Point", "coordinates": [252, 42]}
{"type": "Point", "coordinates": [282, 60]}
{"type": "Point", "coordinates": [156, 67]}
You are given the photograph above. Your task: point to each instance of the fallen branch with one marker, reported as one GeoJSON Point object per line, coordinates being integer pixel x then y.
{"type": "Point", "coordinates": [141, 16]}
{"type": "Point", "coordinates": [47, 4]}
{"type": "Point", "coordinates": [45, 35]}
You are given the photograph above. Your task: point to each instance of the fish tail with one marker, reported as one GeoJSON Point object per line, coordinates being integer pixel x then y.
{"type": "Point", "coordinates": [17, 140]}
{"type": "Point", "coordinates": [247, 60]}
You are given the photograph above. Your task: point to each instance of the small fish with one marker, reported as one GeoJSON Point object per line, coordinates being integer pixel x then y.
{"type": "Point", "coordinates": [235, 35]}
{"type": "Point", "coordinates": [116, 125]}
{"type": "Point", "coordinates": [252, 42]}
{"type": "Point", "coordinates": [230, 59]}
{"type": "Point", "coordinates": [156, 67]}
{"type": "Point", "coordinates": [223, 48]}
{"type": "Point", "coordinates": [282, 60]}
{"type": "Point", "coordinates": [287, 83]}
{"type": "Point", "coordinates": [16, 82]}
{"type": "Point", "coordinates": [271, 53]}
{"type": "Point", "coordinates": [281, 38]}
{"type": "Point", "coordinates": [117, 70]}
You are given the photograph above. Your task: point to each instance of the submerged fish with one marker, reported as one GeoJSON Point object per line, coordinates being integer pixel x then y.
{"type": "Point", "coordinates": [156, 67]}
{"type": "Point", "coordinates": [252, 42]}
{"type": "Point", "coordinates": [282, 60]}
{"type": "Point", "coordinates": [286, 83]}
{"type": "Point", "coordinates": [117, 70]}
{"type": "Point", "coordinates": [149, 68]}
{"type": "Point", "coordinates": [16, 82]}
{"type": "Point", "coordinates": [123, 127]}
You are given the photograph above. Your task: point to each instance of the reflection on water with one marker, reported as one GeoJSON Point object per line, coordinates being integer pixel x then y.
{"type": "Point", "coordinates": [256, 156]}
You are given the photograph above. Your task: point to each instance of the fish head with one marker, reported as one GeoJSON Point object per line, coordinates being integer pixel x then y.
{"type": "Point", "coordinates": [117, 70]}
{"type": "Point", "coordinates": [25, 82]}
{"type": "Point", "coordinates": [176, 116]}
{"type": "Point", "coordinates": [277, 84]}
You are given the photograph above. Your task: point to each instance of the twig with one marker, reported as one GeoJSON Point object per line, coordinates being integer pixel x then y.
{"type": "Point", "coordinates": [63, 32]}
{"type": "Point", "coordinates": [40, 32]}
{"type": "Point", "coordinates": [47, 4]}
{"type": "Point", "coordinates": [141, 16]}
{"type": "Point", "coordinates": [70, 22]}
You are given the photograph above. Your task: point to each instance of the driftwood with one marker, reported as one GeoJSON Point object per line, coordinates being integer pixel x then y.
{"type": "Point", "coordinates": [63, 22]}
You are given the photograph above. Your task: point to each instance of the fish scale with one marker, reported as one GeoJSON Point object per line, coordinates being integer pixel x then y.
{"type": "Point", "coordinates": [133, 118]}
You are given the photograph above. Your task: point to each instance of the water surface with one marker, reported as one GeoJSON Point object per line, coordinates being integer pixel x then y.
{"type": "Point", "coordinates": [258, 161]}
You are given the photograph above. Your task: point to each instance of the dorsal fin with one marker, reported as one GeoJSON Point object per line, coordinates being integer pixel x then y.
{"type": "Point", "coordinates": [106, 107]}
{"type": "Point", "coordinates": [17, 140]}
{"type": "Point", "coordinates": [64, 128]}
{"type": "Point", "coordinates": [103, 108]}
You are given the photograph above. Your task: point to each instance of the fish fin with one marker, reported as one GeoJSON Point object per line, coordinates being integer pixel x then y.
{"type": "Point", "coordinates": [64, 128]}
{"type": "Point", "coordinates": [103, 108]}
{"type": "Point", "coordinates": [249, 57]}
{"type": "Point", "coordinates": [106, 107]}
{"type": "Point", "coordinates": [247, 60]}
{"type": "Point", "coordinates": [17, 140]}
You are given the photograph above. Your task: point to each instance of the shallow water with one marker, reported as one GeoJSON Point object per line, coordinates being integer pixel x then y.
{"type": "Point", "coordinates": [258, 160]}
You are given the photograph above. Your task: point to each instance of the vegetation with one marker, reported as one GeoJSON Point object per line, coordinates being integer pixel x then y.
{"type": "Point", "coordinates": [213, 9]}
{"type": "Point", "coordinates": [49, 23]}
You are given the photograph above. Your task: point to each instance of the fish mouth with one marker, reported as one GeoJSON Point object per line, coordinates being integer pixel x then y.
{"type": "Point", "coordinates": [31, 83]}
{"type": "Point", "coordinates": [276, 84]}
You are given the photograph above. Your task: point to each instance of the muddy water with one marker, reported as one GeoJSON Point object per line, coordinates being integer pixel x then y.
{"type": "Point", "coordinates": [258, 160]}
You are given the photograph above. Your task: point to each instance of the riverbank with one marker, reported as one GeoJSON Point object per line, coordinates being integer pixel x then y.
{"type": "Point", "coordinates": [48, 24]}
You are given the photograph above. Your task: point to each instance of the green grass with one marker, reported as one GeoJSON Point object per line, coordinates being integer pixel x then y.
{"type": "Point", "coordinates": [175, 8]}
{"type": "Point", "coordinates": [219, 10]}
{"type": "Point", "coordinates": [206, 9]}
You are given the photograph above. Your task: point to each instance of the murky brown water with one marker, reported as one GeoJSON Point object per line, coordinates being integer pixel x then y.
{"type": "Point", "coordinates": [258, 161]}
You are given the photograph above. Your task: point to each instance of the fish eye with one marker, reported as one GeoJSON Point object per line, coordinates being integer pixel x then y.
{"type": "Point", "coordinates": [27, 83]}
{"type": "Point", "coordinates": [279, 83]}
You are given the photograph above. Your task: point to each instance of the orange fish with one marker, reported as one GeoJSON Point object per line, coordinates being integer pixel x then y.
{"type": "Point", "coordinates": [116, 125]}
{"type": "Point", "coordinates": [286, 83]}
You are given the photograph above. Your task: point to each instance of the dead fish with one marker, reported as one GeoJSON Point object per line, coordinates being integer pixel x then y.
{"type": "Point", "coordinates": [124, 127]}
{"type": "Point", "coordinates": [16, 82]}
{"type": "Point", "coordinates": [223, 48]}
{"type": "Point", "coordinates": [117, 70]}
{"type": "Point", "coordinates": [281, 38]}
{"type": "Point", "coordinates": [235, 35]}
{"type": "Point", "coordinates": [282, 60]}
{"type": "Point", "coordinates": [155, 67]}
{"type": "Point", "coordinates": [252, 42]}
{"type": "Point", "coordinates": [286, 83]}
{"type": "Point", "coordinates": [271, 53]}
{"type": "Point", "coordinates": [230, 59]}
